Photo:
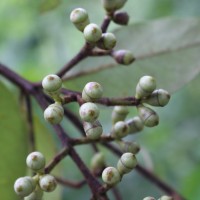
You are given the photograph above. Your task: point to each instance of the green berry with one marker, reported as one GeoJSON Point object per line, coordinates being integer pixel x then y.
{"type": "Point", "coordinates": [47, 183]}
{"type": "Point", "coordinates": [93, 130]}
{"type": "Point", "coordinates": [89, 112]}
{"type": "Point", "coordinates": [135, 125]}
{"type": "Point", "coordinates": [126, 163]}
{"type": "Point", "coordinates": [148, 116]}
{"type": "Point", "coordinates": [131, 147]}
{"type": "Point", "coordinates": [158, 97]}
{"type": "Point", "coordinates": [92, 33]}
{"type": "Point", "coordinates": [92, 92]}
{"type": "Point", "coordinates": [52, 83]}
{"type": "Point", "coordinates": [119, 113]}
{"type": "Point", "coordinates": [37, 194]}
{"type": "Point", "coordinates": [98, 161]}
{"type": "Point", "coordinates": [112, 5]}
{"type": "Point", "coordinates": [35, 161]}
{"type": "Point", "coordinates": [107, 41]}
{"type": "Point", "coordinates": [24, 186]}
{"type": "Point", "coordinates": [121, 18]}
{"type": "Point", "coordinates": [145, 86]}
{"type": "Point", "coordinates": [54, 113]}
{"type": "Point", "coordinates": [165, 198]}
{"type": "Point", "coordinates": [111, 176]}
{"type": "Point", "coordinates": [79, 17]}
{"type": "Point", "coordinates": [149, 198]}
{"type": "Point", "coordinates": [123, 57]}
{"type": "Point", "coordinates": [120, 129]}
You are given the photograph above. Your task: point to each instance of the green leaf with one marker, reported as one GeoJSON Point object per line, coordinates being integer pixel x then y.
{"type": "Point", "coordinates": [167, 49]}
{"type": "Point", "coordinates": [13, 144]}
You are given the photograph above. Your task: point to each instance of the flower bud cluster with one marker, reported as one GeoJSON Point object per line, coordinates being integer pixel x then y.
{"type": "Point", "coordinates": [32, 188]}
{"type": "Point", "coordinates": [161, 198]}
{"type": "Point", "coordinates": [89, 111]}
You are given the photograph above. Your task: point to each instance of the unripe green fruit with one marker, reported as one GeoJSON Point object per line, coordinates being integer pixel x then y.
{"type": "Point", "coordinates": [165, 198]}
{"type": "Point", "coordinates": [159, 97]}
{"type": "Point", "coordinates": [123, 57]}
{"type": "Point", "coordinates": [131, 147]}
{"type": "Point", "coordinates": [52, 83]}
{"type": "Point", "coordinates": [92, 33]}
{"type": "Point", "coordinates": [112, 5]}
{"type": "Point", "coordinates": [126, 163]}
{"type": "Point", "coordinates": [119, 113]}
{"type": "Point", "coordinates": [24, 186]}
{"type": "Point", "coordinates": [92, 92]}
{"type": "Point", "coordinates": [120, 129]}
{"type": "Point", "coordinates": [97, 161]}
{"type": "Point", "coordinates": [54, 113]}
{"type": "Point", "coordinates": [121, 18]}
{"type": "Point", "coordinates": [35, 161]}
{"type": "Point", "coordinates": [37, 194]}
{"type": "Point", "coordinates": [145, 86]}
{"type": "Point", "coordinates": [135, 125]}
{"type": "Point", "coordinates": [79, 17]}
{"type": "Point", "coordinates": [93, 130]}
{"type": "Point", "coordinates": [89, 112]}
{"type": "Point", "coordinates": [47, 183]}
{"type": "Point", "coordinates": [148, 116]}
{"type": "Point", "coordinates": [111, 176]}
{"type": "Point", "coordinates": [149, 198]}
{"type": "Point", "coordinates": [107, 41]}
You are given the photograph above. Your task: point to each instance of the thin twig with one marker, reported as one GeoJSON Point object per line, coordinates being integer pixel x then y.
{"type": "Point", "coordinates": [116, 193]}
{"type": "Point", "coordinates": [105, 23]}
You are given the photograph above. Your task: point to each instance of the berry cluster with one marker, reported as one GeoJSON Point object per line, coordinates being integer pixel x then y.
{"type": "Point", "coordinates": [161, 198]}
{"type": "Point", "coordinates": [31, 188]}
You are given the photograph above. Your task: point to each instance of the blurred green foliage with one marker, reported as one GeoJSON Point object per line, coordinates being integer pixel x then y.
{"type": "Point", "coordinates": [37, 38]}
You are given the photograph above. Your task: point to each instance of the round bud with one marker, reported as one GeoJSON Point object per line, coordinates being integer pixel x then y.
{"type": "Point", "coordinates": [119, 113]}
{"type": "Point", "coordinates": [123, 57]}
{"type": "Point", "coordinates": [145, 86]}
{"type": "Point", "coordinates": [54, 113]}
{"type": "Point", "coordinates": [35, 161]}
{"type": "Point", "coordinates": [37, 194]}
{"type": "Point", "coordinates": [92, 91]}
{"type": "Point", "coordinates": [52, 83]}
{"type": "Point", "coordinates": [121, 18]}
{"type": "Point", "coordinates": [112, 5]}
{"type": "Point", "coordinates": [79, 17]}
{"type": "Point", "coordinates": [111, 176]}
{"type": "Point", "coordinates": [120, 129]}
{"type": "Point", "coordinates": [126, 163]}
{"type": "Point", "coordinates": [148, 116]}
{"type": "Point", "coordinates": [107, 41]}
{"type": "Point", "coordinates": [97, 161]}
{"type": "Point", "coordinates": [89, 112]}
{"type": "Point", "coordinates": [131, 147]}
{"type": "Point", "coordinates": [93, 130]}
{"type": "Point", "coordinates": [159, 97]}
{"type": "Point", "coordinates": [135, 125]}
{"type": "Point", "coordinates": [92, 33]}
{"type": "Point", "coordinates": [24, 186]}
{"type": "Point", "coordinates": [165, 198]}
{"type": "Point", "coordinates": [47, 183]}
{"type": "Point", "coordinates": [149, 198]}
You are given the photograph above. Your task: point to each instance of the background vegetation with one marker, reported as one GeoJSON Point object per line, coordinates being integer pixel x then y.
{"type": "Point", "coordinates": [37, 38]}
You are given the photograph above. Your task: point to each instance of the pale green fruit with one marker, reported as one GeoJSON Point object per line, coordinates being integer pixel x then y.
{"type": "Point", "coordinates": [98, 161]}
{"type": "Point", "coordinates": [92, 33]}
{"type": "Point", "coordinates": [89, 112]}
{"type": "Point", "coordinates": [107, 41]}
{"type": "Point", "coordinates": [112, 5]}
{"type": "Point", "coordinates": [37, 194]}
{"type": "Point", "coordinates": [165, 198]}
{"type": "Point", "coordinates": [52, 83]}
{"type": "Point", "coordinates": [148, 116]}
{"type": "Point", "coordinates": [47, 183]}
{"type": "Point", "coordinates": [123, 57]}
{"type": "Point", "coordinates": [120, 129]}
{"type": "Point", "coordinates": [79, 17]}
{"type": "Point", "coordinates": [149, 198]}
{"type": "Point", "coordinates": [126, 163]}
{"type": "Point", "coordinates": [131, 147]}
{"type": "Point", "coordinates": [111, 176]}
{"type": "Point", "coordinates": [135, 125]}
{"type": "Point", "coordinates": [119, 113]}
{"type": "Point", "coordinates": [93, 130]}
{"type": "Point", "coordinates": [35, 161]}
{"type": "Point", "coordinates": [145, 86]}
